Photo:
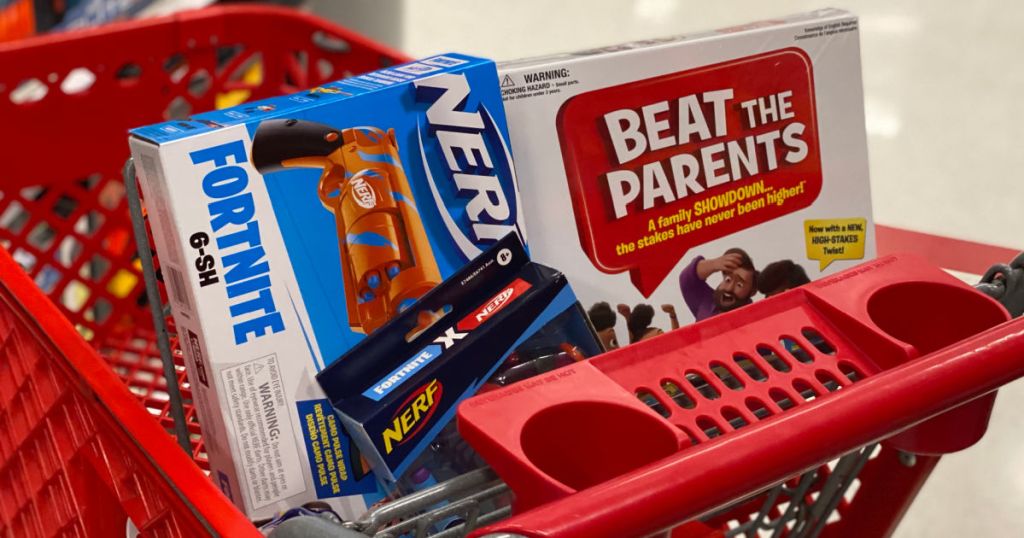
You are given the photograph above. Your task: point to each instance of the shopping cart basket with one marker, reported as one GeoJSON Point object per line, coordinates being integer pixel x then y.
{"type": "Point", "coordinates": [79, 456]}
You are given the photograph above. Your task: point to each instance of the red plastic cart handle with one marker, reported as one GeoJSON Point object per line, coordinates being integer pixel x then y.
{"type": "Point", "coordinates": [699, 480]}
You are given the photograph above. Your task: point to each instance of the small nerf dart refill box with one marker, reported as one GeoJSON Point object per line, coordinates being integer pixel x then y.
{"type": "Point", "coordinates": [398, 389]}
{"type": "Point", "coordinates": [743, 148]}
{"type": "Point", "coordinates": [290, 228]}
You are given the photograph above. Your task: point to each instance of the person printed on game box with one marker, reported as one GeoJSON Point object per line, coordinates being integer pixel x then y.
{"type": "Point", "coordinates": [777, 277]}
{"type": "Point", "coordinates": [739, 282]}
{"type": "Point", "coordinates": [638, 322]}
{"type": "Point", "coordinates": [639, 319]}
{"type": "Point", "coordinates": [603, 319]}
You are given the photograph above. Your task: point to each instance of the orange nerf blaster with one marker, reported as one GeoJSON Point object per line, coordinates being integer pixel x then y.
{"type": "Point", "coordinates": [386, 260]}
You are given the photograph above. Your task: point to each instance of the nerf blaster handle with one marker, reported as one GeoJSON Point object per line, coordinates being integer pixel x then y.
{"type": "Point", "coordinates": [290, 142]}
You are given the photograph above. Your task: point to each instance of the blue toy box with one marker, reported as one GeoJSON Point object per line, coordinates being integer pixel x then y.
{"type": "Point", "coordinates": [290, 228]}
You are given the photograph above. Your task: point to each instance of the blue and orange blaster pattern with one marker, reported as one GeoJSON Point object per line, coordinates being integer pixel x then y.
{"type": "Point", "coordinates": [386, 259]}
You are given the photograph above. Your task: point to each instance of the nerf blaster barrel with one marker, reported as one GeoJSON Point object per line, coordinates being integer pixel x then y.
{"type": "Point", "coordinates": [386, 260]}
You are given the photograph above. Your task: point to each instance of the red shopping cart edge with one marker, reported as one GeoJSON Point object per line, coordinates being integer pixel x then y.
{"type": "Point", "coordinates": [193, 488]}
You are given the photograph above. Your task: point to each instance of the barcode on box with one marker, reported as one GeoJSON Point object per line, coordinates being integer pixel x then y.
{"type": "Point", "coordinates": [177, 285]}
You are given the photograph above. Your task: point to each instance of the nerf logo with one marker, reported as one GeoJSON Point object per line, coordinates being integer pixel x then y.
{"type": "Point", "coordinates": [412, 415]}
{"type": "Point", "coordinates": [473, 185]}
{"type": "Point", "coordinates": [494, 305]}
{"type": "Point", "coordinates": [363, 193]}
{"type": "Point", "coordinates": [501, 300]}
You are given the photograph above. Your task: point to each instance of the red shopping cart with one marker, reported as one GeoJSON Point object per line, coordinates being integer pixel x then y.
{"type": "Point", "coordinates": [790, 453]}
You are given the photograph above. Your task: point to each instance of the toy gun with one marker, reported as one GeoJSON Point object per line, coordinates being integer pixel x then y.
{"type": "Point", "coordinates": [386, 260]}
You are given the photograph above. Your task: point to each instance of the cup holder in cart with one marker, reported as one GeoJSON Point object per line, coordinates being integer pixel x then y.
{"type": "Point", "coordinates": [930, 316]}
{"type": "Point", "coordinates": [584, 443]}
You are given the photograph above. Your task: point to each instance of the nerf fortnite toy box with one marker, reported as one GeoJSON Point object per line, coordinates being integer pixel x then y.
{"type": "Point", "coordinates": [707, 170]}
{"type": "Point", "coordinates": [290, 228]}
{"type": "Point", "coordinates": [499, 320]}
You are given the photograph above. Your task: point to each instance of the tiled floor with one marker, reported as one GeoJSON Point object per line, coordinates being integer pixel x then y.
{"type": "Point", "coordinates": [942, 82]}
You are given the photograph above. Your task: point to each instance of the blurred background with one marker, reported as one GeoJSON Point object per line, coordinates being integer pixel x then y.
{"type": "Point", "coordinates": [943, 114]}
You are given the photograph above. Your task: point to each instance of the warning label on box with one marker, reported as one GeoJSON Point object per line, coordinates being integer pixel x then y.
{"type": "Point", "coordinates": [262, 427]}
